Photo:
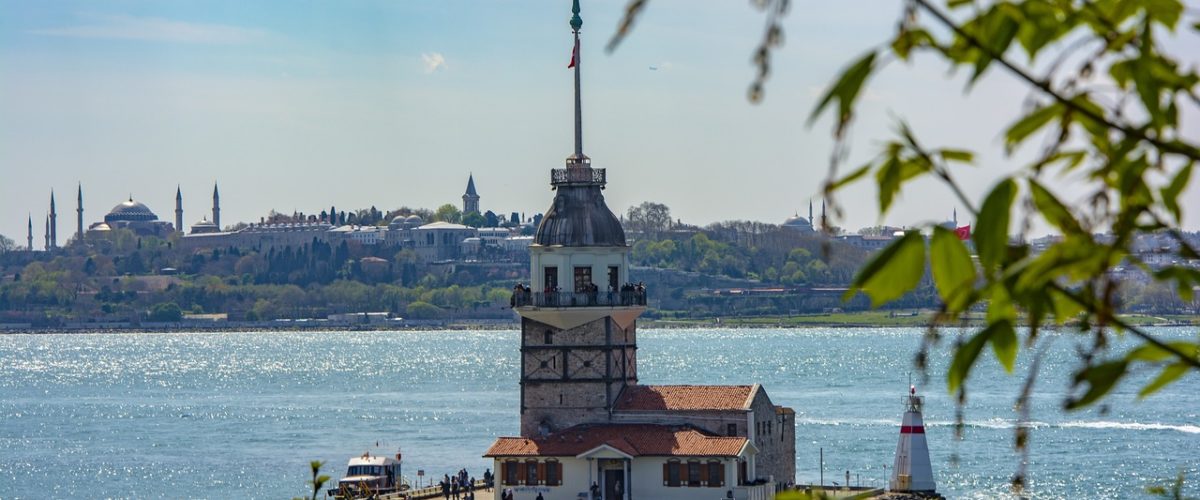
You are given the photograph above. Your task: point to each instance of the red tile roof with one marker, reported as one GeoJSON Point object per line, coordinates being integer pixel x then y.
{"type": "Point", "coordinates": [631, 439]}
{"type": "Point", "coordinates": [684, 397]}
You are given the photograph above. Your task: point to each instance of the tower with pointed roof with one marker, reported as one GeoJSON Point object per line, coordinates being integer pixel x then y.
{"type": "Point", "coordinates": [471, 197]}
{"type": "Point", "coordinates": [178, 210]}
{"type": "Point", "coordinates": [216, 215]}
{"type": "Point", "coordinates": [584, 417]}
{"type": "Point", "coordinates": [578, 321]}
{"type": "Point", "coordinates": [29, 237]}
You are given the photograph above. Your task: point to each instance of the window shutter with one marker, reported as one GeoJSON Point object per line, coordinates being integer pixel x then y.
{"type": "Point", "coordinates": [541, 472]}
{"type": "Point", "coordinates": [558, 465]}
{"type": "Point", "coordinates": [504, 472]}
{"type": "Point", "coordinates": [666, 473]}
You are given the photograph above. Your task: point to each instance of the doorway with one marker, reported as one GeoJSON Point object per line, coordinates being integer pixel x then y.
{"type": "Point", "coordinates": [614, 484]}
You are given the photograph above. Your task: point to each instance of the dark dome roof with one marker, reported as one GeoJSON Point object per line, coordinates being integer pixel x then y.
{"type": "Point", "coordinates": [579, 218]}
{"type": "Point", "coordinates": [130, 211]}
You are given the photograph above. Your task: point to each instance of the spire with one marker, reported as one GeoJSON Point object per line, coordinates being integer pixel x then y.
{"type": "Point", "coordinates": [956, 217]}
{"type": "Point", "coordinates": [470, 198]}
{"type": "Point", "coordinates": [79, 217]}
{"type": "Point", "coordinates": [178, 209]}
{"type": "Point", "coordinates": [471, 185]}
{"type": "Point", "coordinates": [53, 232]}
{"type": "Point", "coordinates": [578, 159]}
{"type": "Point", "coordinates": [824, 221]}
{"type": "Point", "coordinates": [29, 238]}
{"type": "Point", "coordinates": [46, 247]}
{"type": "Point", "coordinates": [216, 213]}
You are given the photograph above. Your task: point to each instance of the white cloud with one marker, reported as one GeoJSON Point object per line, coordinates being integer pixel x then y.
{"type": "Point", "coordinates": [433, 61]}
{"type": "Point", "coordinates": [153, 29]}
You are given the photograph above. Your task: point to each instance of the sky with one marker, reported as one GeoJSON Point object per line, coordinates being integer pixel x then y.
{"type": "Point", "coordinates": [300, 105]}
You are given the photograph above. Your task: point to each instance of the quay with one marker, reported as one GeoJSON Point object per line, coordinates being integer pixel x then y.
{"type": "Point", "coordinates": [435, 491]}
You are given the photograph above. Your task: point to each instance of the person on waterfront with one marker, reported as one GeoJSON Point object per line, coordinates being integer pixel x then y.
{"type": "Point", "coordinates": [445, 484]}
{"type": "Point", "coordinates": [540, 497]}
{"type": "Point", "coordinates": [595, 491]}
{"type": "Point", "coordinates": [487, 479]}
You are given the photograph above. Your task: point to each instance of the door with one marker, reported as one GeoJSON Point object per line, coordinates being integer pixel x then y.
{"type": "Point", "coordinates": [614, 484]}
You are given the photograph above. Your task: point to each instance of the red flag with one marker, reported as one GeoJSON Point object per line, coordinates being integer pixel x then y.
{"type": "Point", "coordinates": [963, 233]}
{"type": "Point", "coordinates": [574, 54]}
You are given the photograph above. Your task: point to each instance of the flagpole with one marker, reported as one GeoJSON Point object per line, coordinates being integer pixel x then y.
{"type": "Point", "coordinates": [576, 24]}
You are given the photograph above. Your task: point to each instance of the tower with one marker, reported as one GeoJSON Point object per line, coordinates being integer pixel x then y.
{"type": "Point", "coordinates": [178, 210]}
{"type": "Point", "coordinates": [578, 322]}
{"type": "Point", "coordinates": [216, 218]}
{"type": "Point", "coordinates": [79, 217]}
{"type": "Point", "coordinates": [53, 224]}
{"type": "Point", "coordinates": [29, 238]}
{"type": "Point", "coordinates": [46, 247]}
{"type": "Point", "coordinates": [470, 198]}
{"type": "Point", "coordinates": [912, 471]}
{"type": "Point", "coordinates": [811, 222]}
{"type": "Point", "coordinates": [824, 221]}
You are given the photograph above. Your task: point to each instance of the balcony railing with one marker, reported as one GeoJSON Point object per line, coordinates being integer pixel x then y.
{"type": "Point", "coordinates": [580, 299]}
{"type": "Point", "coordinates": [577, 176]}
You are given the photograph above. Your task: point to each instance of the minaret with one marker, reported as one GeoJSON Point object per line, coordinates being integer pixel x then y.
{"type": "Point", "coordinates": [53, 223]}
{"type": "Point", "coordinates": [470, 198]}
{"type": "Point", "coordinates": [216, 218]}
{"type": "Point", "coordinates": [912, 471]}
{"type": "Point", "coordinates": [178, 210]}
{"type": "Point", "coordinates": [578, 320]}
{"type": "Point", "coordinates": [824, 221]}
{"type": "Point", "coordinates": [46, 246]}
{"type": "Point", "coordinates": [956, 217]}
{"type": "Point", "coordinates": [29, 238]}
{"type": "Point", "coordinates": [811, 222]}
{"type": "Point", "coordinates": [79, 217]}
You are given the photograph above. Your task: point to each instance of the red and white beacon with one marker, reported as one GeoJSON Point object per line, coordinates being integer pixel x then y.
{"type": "Point", "coordinates": [912, 471]}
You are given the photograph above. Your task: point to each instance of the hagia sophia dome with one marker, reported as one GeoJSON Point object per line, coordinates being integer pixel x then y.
{"type": "Point", "coordinates": [130, 211]}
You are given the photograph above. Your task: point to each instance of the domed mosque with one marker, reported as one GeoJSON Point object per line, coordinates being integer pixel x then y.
{"type": "Point", "coordinates": [134, 216]}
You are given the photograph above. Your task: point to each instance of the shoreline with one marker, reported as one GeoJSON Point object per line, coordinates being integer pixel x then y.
{"type": "Point", "coordinates": [834, 321]}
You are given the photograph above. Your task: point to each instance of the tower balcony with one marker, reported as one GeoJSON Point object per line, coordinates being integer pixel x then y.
{"type": "Point", "coordinates": [625, 298]}
{"type": "Point", "coordinates": [578, 176]}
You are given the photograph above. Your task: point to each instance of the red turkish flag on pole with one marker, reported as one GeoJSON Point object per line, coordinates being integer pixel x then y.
{"type": "Point", "coordinates": [574, 54]}
{"type": "Point", "coordinates": [963, 233]}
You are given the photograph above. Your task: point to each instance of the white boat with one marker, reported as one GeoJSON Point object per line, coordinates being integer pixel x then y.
{"type": "Point", "coordinates": [368, 476]}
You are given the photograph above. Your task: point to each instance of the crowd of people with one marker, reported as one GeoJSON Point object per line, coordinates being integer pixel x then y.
{"type": "Point", "coordinates": [462, 485]}
{"type": "Point", "coordinates": [629, 294]}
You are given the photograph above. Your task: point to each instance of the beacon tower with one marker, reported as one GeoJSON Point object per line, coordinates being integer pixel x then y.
{"type": "Point", "coordinates": [578, 323]}
{"type": "Point", "coordinates": [912, 471]}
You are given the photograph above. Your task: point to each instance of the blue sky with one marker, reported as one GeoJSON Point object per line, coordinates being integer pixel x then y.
{"type": "Point", "coordinates": [302, 105]}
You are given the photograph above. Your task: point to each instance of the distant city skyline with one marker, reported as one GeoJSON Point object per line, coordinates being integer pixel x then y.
{"type": "Point", "coordinates": [298, 106]}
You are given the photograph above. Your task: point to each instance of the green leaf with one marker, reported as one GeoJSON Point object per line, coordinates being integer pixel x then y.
{"type": "Point", "coordinates": [853, 176]}
{"type": "Point", "coordinates": [1153, 353]}
{"type": "Point", "coordinates": [1168, 375]}
{"type": "Point", "coordinates": [1100, 379]}
{"type": "Point", "coordinates": [1053, 210]}
{"type": "Point", "coordinates": [999, 28]}
{"type": "Point", "coordinates": [1166, 12]}
{"type": "Point", "coordinates": [952, 269]}
{"type": "Point", "coordinates": [893, 272]}
{"type": "Point", "coordinates": [1030, 123]}
{"type": "Point", "coordinates": [957, 3]}
{"type": "Point", "coordinates": [957, 155]}
{"type": "Point", "coordinates": [991, 230]}
{"type": "Point", "coordinates": [964, 359]}
{"type": "Point", "coordinates": [846, 89]}
{"type": "Point", "coordinates": [1065, 308]}
{"type": "Point", "coordinates": [1170, 194]}
{"type": "Point", "coordinates": [1004, 344]}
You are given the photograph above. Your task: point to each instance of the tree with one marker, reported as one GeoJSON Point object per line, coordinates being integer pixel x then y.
{"type": "Point", "coordinates": [473, 219]}
{"type": "Point", "coordinates": [423, 310]}
{"type": "Point", "coordinates": [1108, 102]}
{"type": "Point", "coordinates": [448, 213]}
{"type": "Point", "coordinates": [6, 244]}
{"type": "Point", "coordinates": [166, 312]}
{"type": "Point", "coordinates": [649, 217]}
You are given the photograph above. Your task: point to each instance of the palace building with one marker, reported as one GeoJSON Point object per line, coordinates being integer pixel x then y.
{"type": "Point", "coordinates": [588, 426]}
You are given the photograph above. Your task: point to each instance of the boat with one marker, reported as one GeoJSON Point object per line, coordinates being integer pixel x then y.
{"type": "Point", "coordinates": [369, 476]}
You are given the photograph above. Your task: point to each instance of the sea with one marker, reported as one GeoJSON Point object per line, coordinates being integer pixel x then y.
{"type": "Point", "coordinates": [241, 415]}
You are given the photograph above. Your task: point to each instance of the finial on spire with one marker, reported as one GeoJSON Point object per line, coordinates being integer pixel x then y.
{"type": "Point", "coordinates": [576, 21]}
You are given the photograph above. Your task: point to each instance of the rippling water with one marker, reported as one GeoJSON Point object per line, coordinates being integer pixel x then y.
{"type": "Point", "coordinates": [194, 415]}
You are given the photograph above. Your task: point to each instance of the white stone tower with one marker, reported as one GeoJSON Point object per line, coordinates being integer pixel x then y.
{"type": "Point", "coordinates": [79, 217]}
{"type": "Point", "coordinates": [578, 321]}
{"type": "Point", "coordinates": [470, 198]}
{"type": "Point", "coordinates": [912, 471]}
{"type": "Point", "coordinates": [216, 216]}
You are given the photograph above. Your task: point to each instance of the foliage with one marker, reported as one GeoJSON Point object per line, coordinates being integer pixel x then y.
{"type": "Point", "coordinates": [423, 310]}
{"type": "Point", "coordinates": [1107, 102]}
{"type": "Point", "coordinates": [166, 312]}
{"type": "Point", "coordinates": [6, 244]}
{"type": "Point", "coordinates": [474, 219]}
{"type": "Point", "coordinates": [648, 217]}
{"type": "Point", "coordinates": [448, 213]}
